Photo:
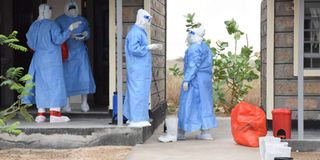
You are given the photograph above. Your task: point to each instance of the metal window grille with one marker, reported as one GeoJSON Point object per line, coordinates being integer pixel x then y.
{"type": "Point", "coordinates": [311, 35]}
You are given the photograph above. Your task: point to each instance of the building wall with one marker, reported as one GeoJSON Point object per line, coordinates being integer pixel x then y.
{"type": "Point", "coordinates": [285, 83]}
{"type": "Point", "coordinates": [263, 52]}
{"type": "Point", "coordinates": [158, 35]}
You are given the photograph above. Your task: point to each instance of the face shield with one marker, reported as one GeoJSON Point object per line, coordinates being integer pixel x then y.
{"type": "Point", "coordinates": [148, 18]}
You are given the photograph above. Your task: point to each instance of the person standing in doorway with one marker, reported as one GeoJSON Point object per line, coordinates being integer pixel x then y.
{"type": "Point", "coordinates": [45, 38]}
{"type": "Point", "coordinates": [139, 70]}
{"type": "Point", "coordinates": [77, 70]}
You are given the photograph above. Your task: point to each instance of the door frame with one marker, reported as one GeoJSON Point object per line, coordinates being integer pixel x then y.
{"type": "Point", "coordinates": [112, 51]}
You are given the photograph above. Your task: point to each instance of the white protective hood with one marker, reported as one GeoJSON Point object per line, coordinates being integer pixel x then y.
{"type": "Point", "coordinates": [45, 12]}
{"type": "Point", "coordinates": [195, 35]}
{"type": "Point", "coordinates": [71, 9]}
{"type": "Point", "coordinates": [143, 18]}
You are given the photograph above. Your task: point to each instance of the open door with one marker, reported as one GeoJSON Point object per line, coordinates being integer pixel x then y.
{"type": "Point", "coordinates": [21, 15]}
{"type": "Point", "coordinates": [24, 13]}
{"type": "Point", "coordinates": [16, 15]}
{"type": "Point", "coordinates": [97, 12]}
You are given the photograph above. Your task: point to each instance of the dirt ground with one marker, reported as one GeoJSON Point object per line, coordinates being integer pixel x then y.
{"type": "Point", "coordinates": [306, 155]}
{"type": "Point", "coordinates": [98, 153]}
{"type": "Point", "coordinates": [92, 153]}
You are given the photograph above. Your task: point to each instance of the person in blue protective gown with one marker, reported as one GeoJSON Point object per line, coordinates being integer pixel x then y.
{"type": "Point", "coordinates": [44, 38]}
{"type": "Point", "coordinates": [196, 100]}
{"type": "Point", "coordinates": [77, 70]}
{"type": "Point", "coordinates": [139, 70]}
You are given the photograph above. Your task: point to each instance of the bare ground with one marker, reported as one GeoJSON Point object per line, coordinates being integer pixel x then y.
{"type": "Point", "coordinates": [92, 153]}
{"type": "Point", "coordinates": [306, 155]}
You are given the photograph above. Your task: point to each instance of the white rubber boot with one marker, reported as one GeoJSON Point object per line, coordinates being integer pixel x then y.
{"type": "Point", "coordinates": [204, 135]}
{"type": "Point", "coordinates": [84, 104]}
{"type": "Point", "coordinates": [139, 124]}
{"type": "Point", "coordinates": [172, 130]}
{"type": "Point", "coordinates": [56, 117]}
{"type": "Point", "coordinates": [67, 108]}
{"type": "Point", "coordinates": [41, 117]}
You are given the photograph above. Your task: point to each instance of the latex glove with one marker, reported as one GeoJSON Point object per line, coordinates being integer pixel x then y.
{"type": "Point", "coordinates": [74, 25]}
{"type": "Point", "coordinates": [85, 34]}
{"type": "Point", "coordinates": [185, 86]}
{"type": "Point", "coordinates": [80, 36]}
{"type": "Point", "coordinates": [155, 46]}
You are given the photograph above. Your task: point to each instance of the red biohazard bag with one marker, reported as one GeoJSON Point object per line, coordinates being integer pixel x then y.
{"type": "Point", "coordinates": [248, 123]}
{"type": "Point", "coordinates": [64, 51]}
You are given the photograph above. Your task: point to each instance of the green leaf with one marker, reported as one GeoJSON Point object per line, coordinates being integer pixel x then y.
{"type": "Point", "coordinates": [258, 64]}
{"type": "Point", "coordinates": [2, 123]}
{"type": "Point", "coordinates": [24, 113]}
{"type": "Point", "coordinates": [25, 78]}
{"type": "Point", "coordinates": [9, 116]}
{"type": "Point", "coordinates": [246, 51]}
{"type": "Point", "coordinates": [237, 35]}
{"type": "Point", "coordinates": [12, 129]}
{"type": "Point", "coordinates": [7, 83]}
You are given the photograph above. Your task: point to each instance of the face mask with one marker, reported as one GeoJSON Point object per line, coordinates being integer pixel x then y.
{"type": "Point", "coordinates": [193, 38]}
{"type": "Point", "coordinates": [190, 37]}
{"type": "Point", "coordinates": [49, 13]}
{"type": "Point", "coordinates": [73, 12]}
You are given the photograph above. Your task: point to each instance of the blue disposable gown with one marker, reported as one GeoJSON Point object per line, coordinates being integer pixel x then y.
{"type": "Point", "coordinates": [45, 38]}
{"type": "Point", "coordinates": [196, 104]}
{"type": "Point", "coordinates": [77, 70]}
{"type": "Point", "coordinates": [139, 69]}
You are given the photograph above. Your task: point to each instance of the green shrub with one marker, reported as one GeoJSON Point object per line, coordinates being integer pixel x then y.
{"type": "Point", "coordinates": [15, 80]}
{"type": "Point", "coordinates": [232, 70]}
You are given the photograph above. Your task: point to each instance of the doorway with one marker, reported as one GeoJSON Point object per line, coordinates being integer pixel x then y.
{"type": "Point", "coordinates": [24, 12]}
{"type": "Point", "coordinates": [15, 15]}
{"type": "Point", "coordinates": [97, 12]}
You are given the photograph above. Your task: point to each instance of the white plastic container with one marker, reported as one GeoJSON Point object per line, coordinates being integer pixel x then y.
{"type": "Point", "coordinates": [262, 144]}
{"type": "Point", "coordinates": [277, 150]}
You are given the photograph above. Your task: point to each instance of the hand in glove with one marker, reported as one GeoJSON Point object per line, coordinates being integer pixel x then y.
{"type": "Point", "coordinates": [80, 36]}
{"type": "Point", "coordinates": [155, 46]}
{"type": "Point", "coordinates": [85, 34]}
{"type": "Point", "coordinates": [185, 86]}
{"type": "Point", "coordinates": [74, 25]}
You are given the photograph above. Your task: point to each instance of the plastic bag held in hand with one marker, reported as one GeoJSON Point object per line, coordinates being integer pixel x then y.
{"type": "Point", "coordinates": [248, 123]}
{"type": "Point", "coordinates": [74, 25]}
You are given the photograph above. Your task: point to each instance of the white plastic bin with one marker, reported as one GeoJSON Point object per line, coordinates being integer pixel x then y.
{"type": "Point", "coordinates": [262, 144]}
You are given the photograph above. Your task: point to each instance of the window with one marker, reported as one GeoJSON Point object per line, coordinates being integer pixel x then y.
{"type": "Point", "coordinates": [311, 35]}
{"type": "Point", "coordinates": [307, 12]}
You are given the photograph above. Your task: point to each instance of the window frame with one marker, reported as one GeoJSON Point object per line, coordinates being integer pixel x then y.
{"type": "Point", "coordinates": [297, 40]}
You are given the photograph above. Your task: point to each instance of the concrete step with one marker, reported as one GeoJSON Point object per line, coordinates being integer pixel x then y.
{"type": "Point", "coordinates": [306, 145]}
{"type": "Point", "coordinates": [80, 132]}
{"type": "Point", "coordinates": [310, 143]}
{"type": "Point", "coordinates": [80, 114]}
